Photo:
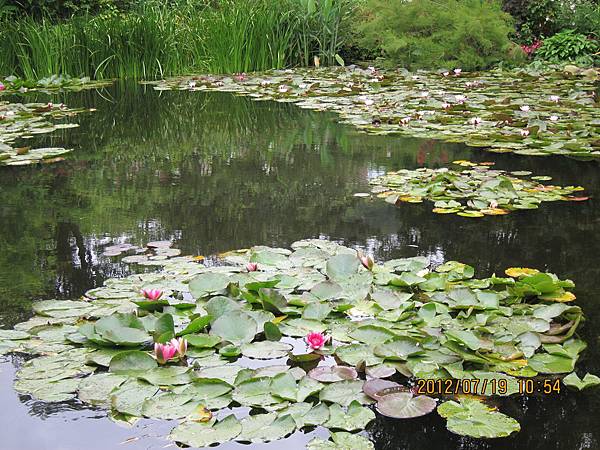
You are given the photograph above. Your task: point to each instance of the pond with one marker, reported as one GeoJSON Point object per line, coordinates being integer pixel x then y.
{"type": "Point", "coordinates": [214, 172]}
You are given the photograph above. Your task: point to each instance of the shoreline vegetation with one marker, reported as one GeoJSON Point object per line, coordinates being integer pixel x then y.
{"type": "Point", "coordinates": [104, 39]}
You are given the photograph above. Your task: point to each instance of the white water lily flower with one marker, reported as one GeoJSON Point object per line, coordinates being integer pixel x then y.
{"type": "Point", "coordinates": [371, 69]}
{"type": "Point", "coordinates": [424, 94]}
{"type": "Point", "coordinates": [475, 121]}
{"type": "Point", "coordinates": [302, 86]}
{"type": "Point", "coordinates": [524, 133]}
{"type": "Point", "coordinates": [460, 98]}
{"type": "Point", "coordinates": [553, 118]}
{"type": "Point", "coordinates": [457, 71]}
{"type": "Point", "coordinates": [368, 102]}
{"type": "Point", "coordinates": [192, 84]}
{"type": "Point", "coordinates": [405, 120]}
{"type": "Point", "coordinates": [445, 105]}
{"type": "Point", "coordinates": [446, 74]}
{"type": "Point", "coordinates": [283, 88]}
{"type": "Point", "coordinates": [554, 98]}
{"type": "Point", "coordinates": [525, 108]}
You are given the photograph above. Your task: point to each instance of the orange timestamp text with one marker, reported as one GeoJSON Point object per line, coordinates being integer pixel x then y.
{"type": "Point", "coordinates": [487, 386]}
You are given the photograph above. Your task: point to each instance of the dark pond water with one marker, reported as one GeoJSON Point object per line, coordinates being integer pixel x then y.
{"type": "Point", "coordinates": [216, 172]}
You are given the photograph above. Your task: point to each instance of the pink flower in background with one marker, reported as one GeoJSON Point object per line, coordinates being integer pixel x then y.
{"type": "Point", "coordinates": [164, 352]}
{"type": "Point", "coordinates": [252, 267]}
{"type": "Point", "coordinates": [180, 346]}
{"type": "Point", "coordinates": [366, 261]}
{"type": "Point", "coordinates": [316, 340]}
{"type": "Point", "coordinates": [152, 294]}
{"type": "Point", "coordinates": [529, 49]}
{"type": "Point", "coordinates": [2, 87]}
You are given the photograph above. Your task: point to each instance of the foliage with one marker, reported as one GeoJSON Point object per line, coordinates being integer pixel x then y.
{"type": "Point", "coordinates": [157, 39]}
{"type": "Point", "coordinates": [98, 348]}
{"type": "Point", "coordinates": [527, 112]}
{"type": "Point", "coordinates": [568, 46]}
{"type": "Point", "coordinates": [470, 34]}
{"type": "Point", "coordinates": [543, 18]}
{"type": "Point", "coordinates": [473, 192]}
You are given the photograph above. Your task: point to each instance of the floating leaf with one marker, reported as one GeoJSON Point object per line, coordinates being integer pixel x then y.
{"type": "Point", "coordinates": [403, 405]}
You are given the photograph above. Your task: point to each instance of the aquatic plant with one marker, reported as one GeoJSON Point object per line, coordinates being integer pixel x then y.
{"type": "Point", "coordinates": [20, 121]}
{"type": "Point", "coordinates": [476, 191]}
{"type": "Point", "coordinates": [402, 323]}
{"type": "Point", "coordinates": [510, 108]}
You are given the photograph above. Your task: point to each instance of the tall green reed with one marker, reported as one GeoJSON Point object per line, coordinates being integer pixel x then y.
{"type": "Point", "coordinates": [188, 36]}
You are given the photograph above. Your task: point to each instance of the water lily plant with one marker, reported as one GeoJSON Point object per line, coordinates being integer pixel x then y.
{"type": "Point", "coordinates": [316, 340]}
{"type": "Point", "coordinates": [152, 294]}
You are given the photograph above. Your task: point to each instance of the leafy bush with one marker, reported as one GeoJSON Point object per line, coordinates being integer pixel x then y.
{"type": "Point", "coordinates": [471, 34]}
{"type": "Point", "coordinates": [537, 19]}
{"type": "Point", "coordinates": [583, 16]}
{"type": "Point", "coordinates": [568, 46]}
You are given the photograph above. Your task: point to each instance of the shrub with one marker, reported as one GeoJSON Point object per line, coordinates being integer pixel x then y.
{"type": "Point", "coordinates": [568, 46]}
{"type": "Point", "coordinates": [471, 34]}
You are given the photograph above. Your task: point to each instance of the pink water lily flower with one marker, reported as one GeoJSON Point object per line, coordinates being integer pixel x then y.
{"type": "Point", "coordinates": [554, 98]}
{"type": "Point", "coordinates": [164, 352]}
{"type": "Point", "coordinates": [152, 294]}
{"type": "Point", "coordinates": [367, 261]}
{"type": "Point", "coordinates": [252, 267]}
{"type": "Point", "coordinates": [460, 99]}
{"type": "Point", "coordinates": [445, 73]}
{"type": "Point", "coordinates": [2, 87]}
{"type": "Point", "coordinates": [180, 346]}
{"type": "Point", "coordinates": [316, 340]}
{"type": "Point", "coordinates": [457, 71]}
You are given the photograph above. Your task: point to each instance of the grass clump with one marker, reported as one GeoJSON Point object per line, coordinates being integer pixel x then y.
{"type": "Point", "coordinates": [157, 39]}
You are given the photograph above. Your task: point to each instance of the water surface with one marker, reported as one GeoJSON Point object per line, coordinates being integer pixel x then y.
{"type": "Point", "coordinates": [215, 172]}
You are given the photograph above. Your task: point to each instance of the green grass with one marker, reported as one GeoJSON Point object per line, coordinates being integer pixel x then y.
{"type": "Point", "coordinates": [220, 36]}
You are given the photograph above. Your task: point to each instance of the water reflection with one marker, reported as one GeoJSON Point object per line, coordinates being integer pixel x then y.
{"type": "Point", "coordinates": [214, 172]}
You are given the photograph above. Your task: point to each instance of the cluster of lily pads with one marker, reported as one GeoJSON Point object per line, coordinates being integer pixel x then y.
{"type": "Point", "coordinates": [304, 337]}
{"type": "Point", "coordinates": [26, 120]}
{"type": "Point", "coordinates": [555, 112]}
{"type": "Point", "coordinates": [475, 191]}
{"type": "Point", "coordinates": [15, 84]}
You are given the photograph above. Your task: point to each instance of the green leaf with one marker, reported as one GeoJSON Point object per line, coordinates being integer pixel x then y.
{"type": "Point", "coordinates": [236, 327]}
{"type": "Point", "coordinates": [131, 362]}
{"type": "Point", "coordinates": [198, 434]}
{"type": "Point", "coordinates": [195, 325]}
{"type": "Point", "coordinates": [403, 405]}
{"type": "Point", "coordinates": [589, 380]}
{"type": "Point", "coordinates": [472, 418]}
{"type": "Point", "coordinates": [272, 332]}
{"type": "Point", "coordinates": [208, 283]}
